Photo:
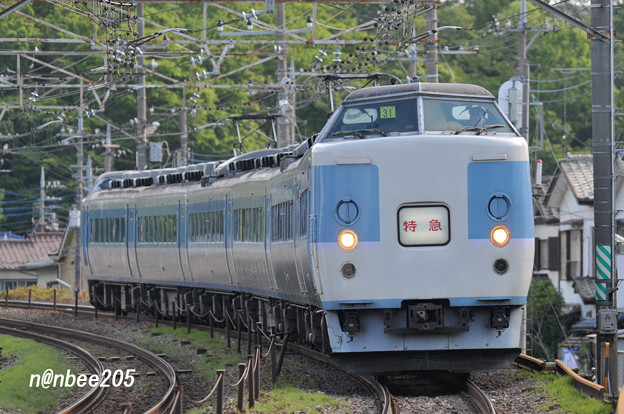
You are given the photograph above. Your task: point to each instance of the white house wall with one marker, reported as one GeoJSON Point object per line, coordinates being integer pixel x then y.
{"type": "Point", "coordinates": [574, 216]}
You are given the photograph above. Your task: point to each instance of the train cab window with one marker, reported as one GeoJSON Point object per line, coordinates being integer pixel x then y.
{"type": "Point", "coordinates": [374, 120]}
{"type": "Point", "coordinates": [461, 116]}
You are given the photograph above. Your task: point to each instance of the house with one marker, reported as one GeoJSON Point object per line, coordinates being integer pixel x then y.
{"type": "Point", "coordinates": [564, 231]}
{"type": "Point", "coordinates": [65, 256]}
{"type": "Point", "coordinates": [25, 262]}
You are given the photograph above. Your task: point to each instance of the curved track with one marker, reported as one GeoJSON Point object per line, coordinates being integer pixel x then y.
{"type": "Point", "coordinates": [479, 398]}
{"type": "Point", "coordinates": [90, 398]}
{"type": "Point", "coordinates": [385, 403]}
{"type": "Point", "coordinates": [148, 357]}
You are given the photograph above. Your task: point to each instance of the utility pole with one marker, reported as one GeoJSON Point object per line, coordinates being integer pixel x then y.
{"type": "Point", "coordinates": [431, 43]}
{"type": "Point", "coordinates": [79, 191]}
{"type": "Point", "coordinates": [285, 101]}
{"type": "Point", "coordinates": [603, 113]}
{"type": "Point", "coordinates": [108, 159]}
{"type": "Point", "coordinates": [41, 225]}
{"type": "Point", "coordinates": [141, 158]}
{"type": "Point", "coordinates": [523, 70]}
{"type": "Point", "coordinates": [184, 135]}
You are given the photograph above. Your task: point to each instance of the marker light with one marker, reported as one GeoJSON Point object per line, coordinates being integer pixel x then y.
{"type": "Point", "coordinates": [347, 240]}
{"type": "Point", "coordinates": [499, 236]}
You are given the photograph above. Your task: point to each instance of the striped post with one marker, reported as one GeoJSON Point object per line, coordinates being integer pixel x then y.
{"type": "Point", "coordinates": [603, 271]}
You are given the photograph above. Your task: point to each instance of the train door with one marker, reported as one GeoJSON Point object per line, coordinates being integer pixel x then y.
{"type": "Point", "coordinates": [85, 239]}
{"type": "Point", "coordinates": [267, 241]}
{"type": "Point", "coordinates": [183, 241]}
{"type": "Point", "coordinates": [299, 269]}
{"type": "Point", "coordinates": [229, 239]}
{"type": "Point", "coordinates": [131, 241]}
{"type": "Point", "coordinates": [301, 227]}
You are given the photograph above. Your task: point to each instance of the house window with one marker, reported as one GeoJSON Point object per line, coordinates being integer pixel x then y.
{"type": "Point", "coordinates": [543, 246]}
{"type": "Point", "coordinates": [619, 231]}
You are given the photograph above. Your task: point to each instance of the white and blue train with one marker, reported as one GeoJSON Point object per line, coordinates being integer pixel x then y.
{"type": "Point", "coordinates": [400, 238]}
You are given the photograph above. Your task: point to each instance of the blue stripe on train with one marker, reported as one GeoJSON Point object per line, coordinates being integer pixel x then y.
{"type": "Point", "coordinates": [334, 183]}
{"type": "Point", "coordinates": [396, 303]}
{"type": "Point", "coordinates": [511, 178]}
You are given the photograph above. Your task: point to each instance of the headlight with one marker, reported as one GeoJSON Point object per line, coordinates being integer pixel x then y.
{"type": "Point", "coordinates": [499, 236]}
{"type": "Point", "coordinates": [347, 240]}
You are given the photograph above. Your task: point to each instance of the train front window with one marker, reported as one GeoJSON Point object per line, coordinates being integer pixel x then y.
{"type": "Point", "coordinates": [461, 116]}
{"type": "Point", "coordinates": [374, 120]}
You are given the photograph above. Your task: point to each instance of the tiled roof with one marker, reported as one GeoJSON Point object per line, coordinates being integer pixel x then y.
{"type": "Point", "coordinates": [15, 253]}
{"type": "Point", "coordinates": [578, 171]}
{"type": "Point", "coordinates": [586, 288]}
{"type": "Point", "coordinates": [543, 212]}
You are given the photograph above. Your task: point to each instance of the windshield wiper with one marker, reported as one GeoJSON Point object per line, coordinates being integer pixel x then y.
{"type": "Point", "coordinates": [356, 133]}
{"type": "Point", "coordinates": [361, 132]}
{"type": "Point", "coordinates": [479, 129]}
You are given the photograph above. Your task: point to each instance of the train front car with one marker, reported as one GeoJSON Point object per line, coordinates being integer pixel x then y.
{"type": "Point", "coordinates": [423, 230]}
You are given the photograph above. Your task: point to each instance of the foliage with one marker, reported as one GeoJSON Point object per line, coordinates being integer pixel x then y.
{"type": "Point", "coordinates": [289, 398]}
{"type": "Point", "coordinates": [46, 295]}
{"type": "Point", "coordinates": [23, 358]}
{"type": "Point", "coordinates": [217, 355]}
{"type": "Point", "coordinates": [544, 318]}
{"type": "Point", "coordinates": [495, 63]}
{"type": "Point", "coordinates": [563, 397]}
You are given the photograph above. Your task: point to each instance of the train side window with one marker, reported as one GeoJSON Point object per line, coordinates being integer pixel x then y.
{"type": "Point", "coordinates": [166, 229]}
{"type": "Point", "coordinates": [123, 229]}
{"type": "Point", "coordinates": [199, 227]}
{"type": "Point", "coordinates": [99, 231]}
{"type": "Point", "coordinates": [113, 231]}
{"type": "Point", "coordinates": [92, 227]}
{"type": "Point", "coordinates": [220, 226]}
{"type": "Point", "coordinates": [237, 225]}
{"type": "Point", "coordinates": [260, 225]}
{"type": "Point", "coordinates": [303, 213]}
{"type": "Point", "coordinates": [139, 229]}
{"type": "Point", "coordinates": [281, 220]}
{"type": "Point", "coordinates": [174, 229]}
{"type": "Point", "coordinates": [162, 228]}
{"type": "Point", "coordinates": [109, 230]}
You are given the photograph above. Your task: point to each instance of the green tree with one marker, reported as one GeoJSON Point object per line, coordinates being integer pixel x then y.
{"type": "Point", "coordinates": [544, 319]}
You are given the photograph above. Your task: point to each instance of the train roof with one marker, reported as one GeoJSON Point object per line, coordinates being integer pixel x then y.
{"type": "Point", "coordinates": [421, 88]}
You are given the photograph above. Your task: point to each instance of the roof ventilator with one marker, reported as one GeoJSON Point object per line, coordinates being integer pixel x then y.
{"type": "Point", "coordinates": [193, 175]}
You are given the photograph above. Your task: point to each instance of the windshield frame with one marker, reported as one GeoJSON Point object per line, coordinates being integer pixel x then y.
{"type": "Point", "coordinates": [375, 131]}
{"type": "Point", "coordinates": [419, 98]}
{"type": "Point", "coordinates": [457, 126]}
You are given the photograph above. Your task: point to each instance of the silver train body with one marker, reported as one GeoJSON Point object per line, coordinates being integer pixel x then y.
{"type": "Point", "coordinates": [399, 239]}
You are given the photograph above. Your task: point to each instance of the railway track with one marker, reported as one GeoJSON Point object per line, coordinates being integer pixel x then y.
{"type": "Point", "coordinates": [385, 402]}
{"type": "Point", "coordinates": [477, 396]}
{"type": "Point", "coordinates": [95, 395]}
{"type": "Point", "coordinates": [91, 398]}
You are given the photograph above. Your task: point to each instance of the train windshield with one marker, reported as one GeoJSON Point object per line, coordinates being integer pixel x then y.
{"type": "Point", "coordinates": [462, 116]}
{"type": "Point", "coordinates": [376, 119]}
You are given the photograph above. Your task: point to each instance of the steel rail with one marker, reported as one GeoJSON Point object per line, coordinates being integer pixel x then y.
{"type": "Point", "coordinates": [380, 391]}
{"type": "Point", "coordinates": [143, 354]}
{"type": "Point", "coordinates": [463, 384]}
{"type": "Point", "coordinates": [479, 398]}
{"type": "Point", "coordinates": [92, 396]}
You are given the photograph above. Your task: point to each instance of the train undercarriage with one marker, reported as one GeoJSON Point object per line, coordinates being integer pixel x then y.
{"type": "Point", "coordinates": [228, 310]}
